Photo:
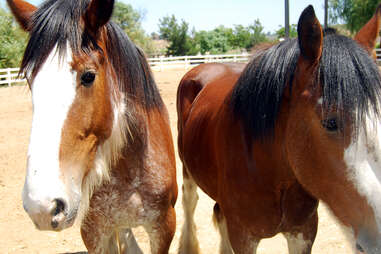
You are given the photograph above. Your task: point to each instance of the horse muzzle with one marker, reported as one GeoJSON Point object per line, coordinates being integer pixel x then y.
{"type": "Point", "coordinates": [52, 214]}
{"type": "Point", "coordinates": [368, 243]}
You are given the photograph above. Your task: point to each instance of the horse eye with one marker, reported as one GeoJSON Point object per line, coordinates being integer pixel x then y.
{"type": "Point", "coordinates": [330, 124]}
{"type": "Point", "coordinates": [87, 78]}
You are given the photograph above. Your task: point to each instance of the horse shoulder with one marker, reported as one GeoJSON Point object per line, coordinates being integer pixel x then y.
{"type": "Point", "coordinates": [159, 163]}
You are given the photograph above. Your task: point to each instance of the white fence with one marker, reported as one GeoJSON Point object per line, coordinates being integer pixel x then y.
{"type": "Point", "coordinates": [9, 76]}
{"type": "Point", "coordinates": [161, 63]}
{"type": "Point", "coordinates": [378, 54]}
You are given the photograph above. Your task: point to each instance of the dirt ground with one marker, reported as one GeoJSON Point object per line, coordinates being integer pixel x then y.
{"type": "Point", "coordinates": [18, 234]}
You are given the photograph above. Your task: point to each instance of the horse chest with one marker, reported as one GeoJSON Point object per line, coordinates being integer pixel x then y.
{"type": "Point", "coordinates": [297, 206]}
{"type": "Point", "coordinates": [122, 205]}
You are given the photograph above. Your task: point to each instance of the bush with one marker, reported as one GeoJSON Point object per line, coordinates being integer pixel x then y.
{"type": "Point", "coordinates": [12, 41]}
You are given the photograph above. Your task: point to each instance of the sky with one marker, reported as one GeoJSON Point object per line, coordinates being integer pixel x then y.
{"type": "Point", "coordinates": [208, 14]}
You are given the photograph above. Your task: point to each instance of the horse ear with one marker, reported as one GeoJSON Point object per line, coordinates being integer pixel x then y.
{"type": "Point", "coordinates": [310, 35]}
{"type": "Point", "coordinates": [98, 14]}
{"type": "Point", "coordinates": [368, 34]}
{"type": "Point", "coordinates": [23, 12]}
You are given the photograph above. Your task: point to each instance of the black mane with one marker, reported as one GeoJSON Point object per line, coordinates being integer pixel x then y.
{"type": "Point", "coordinates": [258, 93]}
{"type": "Point", "coordinates": [350, 81]}
{"type": "Point", "coordinates": [57, 23]}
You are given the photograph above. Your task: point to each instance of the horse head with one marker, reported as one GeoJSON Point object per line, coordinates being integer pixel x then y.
{"type": "Point", "coordinates": [332, 139]}
{"type": "Point", "coordinates": [77, 109]}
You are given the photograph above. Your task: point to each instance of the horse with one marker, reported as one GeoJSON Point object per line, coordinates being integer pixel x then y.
{"type": "Point", "coordinates": [101, 149]}
{"type": "Point", "coordinates": [268, 140]}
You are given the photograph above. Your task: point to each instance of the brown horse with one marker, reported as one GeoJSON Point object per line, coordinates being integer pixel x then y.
{"type": "Point", "coordinates": [298, 124]}
{"type": "Point", "coordinates": [100, 140]}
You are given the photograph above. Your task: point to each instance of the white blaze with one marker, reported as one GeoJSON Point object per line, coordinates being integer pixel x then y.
{"type": "Point", "coordinates": [53, 92]}
{"type": "Point", "coordinates": [363, 158]}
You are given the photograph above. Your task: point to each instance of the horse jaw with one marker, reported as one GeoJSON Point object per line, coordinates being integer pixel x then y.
{"type": "Point", "coordinates": [364, 169]}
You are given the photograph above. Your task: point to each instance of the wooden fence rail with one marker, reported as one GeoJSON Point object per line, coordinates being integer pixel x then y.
{"type": "Point", "coordinates": [10, 75]}
{"type": "Point", "coordinates": [161, 63]}
{"type": "Point", "coordinates": [378, 54]}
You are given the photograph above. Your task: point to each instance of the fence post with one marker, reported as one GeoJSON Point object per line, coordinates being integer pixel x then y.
{"type": "Point", "coordinates": [186, 63]}
{"type": "Point", "coordinates": [161, 63]}
{"type": "Point", "coordinates": [235, 58]}
{"type": "Point", "coordinates": [378, 56]}
{"type": "Point", "coordinates": [9, 77]}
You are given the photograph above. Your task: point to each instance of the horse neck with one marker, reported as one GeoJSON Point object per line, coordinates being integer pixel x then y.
{"type": "Point", "coordinates": [272, 150]}
{"type": "Point", "coordinates": [136, 153]}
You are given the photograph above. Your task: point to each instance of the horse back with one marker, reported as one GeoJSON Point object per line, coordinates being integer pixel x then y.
{"type": "Point", "coordinates": [196, 79]}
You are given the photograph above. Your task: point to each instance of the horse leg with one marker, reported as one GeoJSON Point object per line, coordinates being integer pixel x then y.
{"type": "Point", "coordinates": [245, 245]}
{"type": "Point", "coordinates": [188, 239]}
{"type": "Point", "coordinates": [122, 242]}
{"type": "Point", "coordinates": [127, 243]}
{"type": "Point", "coordinates": [100, 237]}
{"type": "Point", "coordinates": [242, 242]}
{"type": "Point", "coordinates": [99, 240]}
{"type": "Point", "coordinates": [161, 232]}
{"type": "Point", "coordinates": [220, 222]}
{"type": "Point", "coordinates": [301, 238]}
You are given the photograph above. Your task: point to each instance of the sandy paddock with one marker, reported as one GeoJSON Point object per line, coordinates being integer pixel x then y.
{"type": "Point", "coordinates": [18, 234]}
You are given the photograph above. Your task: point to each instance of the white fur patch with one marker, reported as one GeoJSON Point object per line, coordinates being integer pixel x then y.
{"type": "Point", "coordinates": [53, 92]}
{"type": "Point", "coordinates": [296, 244]}
{"type": "Point", "coordinates": [188, 239]}
{"type": "Point", "coordinates": [364, 166]}
{"type": "Point", "coordinates": [225, 246]}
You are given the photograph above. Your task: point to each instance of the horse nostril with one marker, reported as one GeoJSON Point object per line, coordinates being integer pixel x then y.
{"type": "Point", "coordinates": [54, 224]}
{"type": "Point", "coordinates": [60, 207]}
{"type": "Point", "coordinates": [359, 248]}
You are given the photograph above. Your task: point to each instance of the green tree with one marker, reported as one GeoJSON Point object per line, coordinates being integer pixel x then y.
{"type": "Point", "coordinates": [354, 13]}
{"type": "Point", "coordinates": [219, 40]}
{"type": "Point", "coordinates": [202, 42]}
{"type": "Point", "coordinates": [177, 34]}
{"type": "Point", "coordinates": [257, 34]}
{"type": "Point", "coordinates": [166, 26]}
{"type": "Point", "coordinates": [12, 41]}
{"type": "Point", "coordinates": [130, 20]}
{"type": "Point", "coordinates": [241, 37]}
{"type": "Point", "coordinates": [280, 33]}
{"type": "Point", "coordinates": [247, 37]}
{"type": "Point", "coordinates": [223, 39]}
{"type": "Point", "coordinates": [216, 41]}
